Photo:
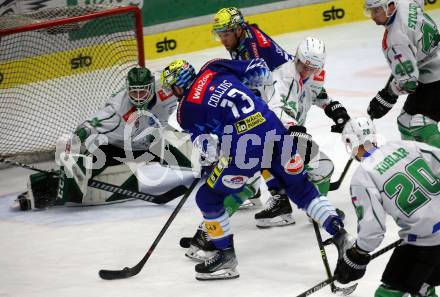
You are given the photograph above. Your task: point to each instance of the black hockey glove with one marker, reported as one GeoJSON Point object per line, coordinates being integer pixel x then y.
{"type": "Point", "coordinates": [352, 265]}
{"type": "Point", "coordinates": [381, 103]}
{"type": "Point", "coordinates": [337, 112]}
{"type": "Point", "coordinates": [303, 142]}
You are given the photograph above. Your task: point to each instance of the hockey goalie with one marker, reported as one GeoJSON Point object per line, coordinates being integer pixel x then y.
{"type": "Point", "coordinates": [127, 141]}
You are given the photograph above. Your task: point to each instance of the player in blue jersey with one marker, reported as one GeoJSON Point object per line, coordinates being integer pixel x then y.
{"type": "Point", "coordinates": [246, 41]}
{"type": "Point", "coordinates": [218, 101]}
{"type": "Point", "coordinates": [305, 70]}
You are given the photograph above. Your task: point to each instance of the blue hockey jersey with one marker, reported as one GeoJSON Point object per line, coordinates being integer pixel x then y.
{"type": "Point", "coordinates": [217, 101]}
{"type": "Point", "coordinates": [217, 98]}
{"type": "Point", "coordinates": [258, 44]}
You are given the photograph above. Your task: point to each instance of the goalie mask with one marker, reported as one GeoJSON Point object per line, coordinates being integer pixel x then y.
{"type": "Point", "coordinates": [140, 83]}
{"type": "Point", "coordinates": [311, 55]}
{"type": "Point", "coordinates": [372, 5]}
{"type": "Point", "coordinates": [359, 131]}
{"type": "Point", "coordinates": [179, 73]}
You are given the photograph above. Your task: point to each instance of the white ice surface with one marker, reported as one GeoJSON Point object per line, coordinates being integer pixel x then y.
{"type": "Point", "coordinates": [58, 252]}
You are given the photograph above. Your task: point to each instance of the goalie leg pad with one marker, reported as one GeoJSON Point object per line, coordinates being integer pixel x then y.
{"type": "Point", "coordinates": [42, 191]}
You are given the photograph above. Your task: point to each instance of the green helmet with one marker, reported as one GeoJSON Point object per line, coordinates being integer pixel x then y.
{"type": "Point", "coordinates": [227, 19]}
{"type": "Point", "coordinates": [140, 84]}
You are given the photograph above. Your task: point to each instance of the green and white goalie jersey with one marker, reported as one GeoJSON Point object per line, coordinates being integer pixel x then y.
{"type": "Point", "coordinates": [125, 124]}
{"type": "Point", "coordinates": [401, 179]}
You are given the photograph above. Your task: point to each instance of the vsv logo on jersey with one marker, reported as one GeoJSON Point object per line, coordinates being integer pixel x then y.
{"type": "Point", "coordinates": [199, 87]}
{"type": "Point", "coordinates": [234, 181]}
{"type": "Point", "coordinates": [262, 40]}
{"type": "Point", "coordinates": [333, 14]}
{"type": "Point", "coordinates": [295, 165]}
{"type": "Point", "coordinates": [427, 2]}
{"type": "Point", "coordinates": [81, 61]}
{"type": "Point", "coordinates": [165, 45]}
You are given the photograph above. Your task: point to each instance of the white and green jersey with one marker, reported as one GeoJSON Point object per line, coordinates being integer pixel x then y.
{"type": "Point", "coordinates": [121, 122]}
{"type": "Point", "coordinates": [400, 178]}
{"type": "Point", "coordinates": [294, 96]}
{"type": "Point", "coordinates": [410, 45]}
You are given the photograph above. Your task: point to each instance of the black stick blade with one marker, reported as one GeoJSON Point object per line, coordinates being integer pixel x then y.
{"type": "Point", "coordinates": [116, 274]}
{"type": "Point", "coordinates": [334, 186]}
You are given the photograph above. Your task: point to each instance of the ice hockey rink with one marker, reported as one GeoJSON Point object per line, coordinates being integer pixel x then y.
{"type": "Point", "coordinates": [58, 252]}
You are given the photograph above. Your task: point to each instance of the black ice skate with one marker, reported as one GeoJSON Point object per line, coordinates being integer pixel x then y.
{"type": "Point", "coordinates": [222, 265]}
{"type": "Point", "coordinates": [200, 246]}
{"type": "Point", "coordinates": [277, 212]}
{"type": "Point", "coordinates": [253, 202]}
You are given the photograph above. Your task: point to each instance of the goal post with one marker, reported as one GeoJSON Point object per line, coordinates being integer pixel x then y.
{"type": "Point", "coordinates": [58, 66]}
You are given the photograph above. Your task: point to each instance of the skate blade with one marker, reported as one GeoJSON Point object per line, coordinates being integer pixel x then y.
{"type": "Point", "coordinates": [198, 255]}
{"type": "Point", "coordinates": [279, 221]}
{"type": "Point", "coordinates": [251, 204]}
{"type": "Point", "coordinates": [222, 274]}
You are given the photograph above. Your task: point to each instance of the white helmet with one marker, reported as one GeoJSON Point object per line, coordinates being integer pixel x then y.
{"type": "Point", "coordinates": [311, 52]}
{"type": "Point", "coordinates": [359, 131]}
{"type": "Point", "coordinates": [370, 4]}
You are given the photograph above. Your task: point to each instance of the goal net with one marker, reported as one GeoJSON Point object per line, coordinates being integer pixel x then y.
{"type": "Point", "coordinates": [57, 67]}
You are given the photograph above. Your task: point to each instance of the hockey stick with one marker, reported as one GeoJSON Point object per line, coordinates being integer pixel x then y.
{"type": "Point", "coordinates": [129, 272]}
{"type": "Point", "coordinates": [335, 185]}
{"type": "Point", "coordinates": [333, 278]}
{"type": "Point", "coordinates": [344, 291]}
{"type": "Point", "coordinates": [157, 199]}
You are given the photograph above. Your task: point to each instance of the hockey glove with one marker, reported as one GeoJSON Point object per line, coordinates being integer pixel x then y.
{"type": "Point", "coordinates": [333, 224]}
{"type": "Point", "coordinates": [381, 103]}
{"type": "Point", "coordinates": [257, 74]}
{"type": "Point", "coordinates": [352, 265]}
{"type": "Point", "coordinates": [337, 112]}
{"type": "Point", "coordinates": [303, 142]}
{"type": "Point", "coordinates": [207, 147]}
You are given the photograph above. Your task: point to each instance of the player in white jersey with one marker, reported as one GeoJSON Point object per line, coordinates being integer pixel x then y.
{"type": "Point", "coordinates": [299, 84]}
{"type": "Point", "coordinates": [411, 47]}
{"type": "Point", "coordinates": [401, 179]}
{"type": "Point", "coordinates": [126, 128]}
